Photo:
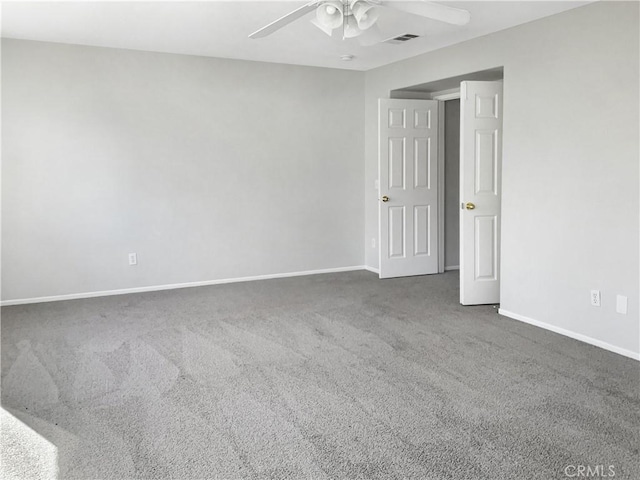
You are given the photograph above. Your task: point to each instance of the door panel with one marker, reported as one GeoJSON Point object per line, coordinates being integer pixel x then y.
{"type": "Point", "coordinates": [422, 227]}
{"type": "Point", "coordinates": [480, 187]}
{"type": "Point", "coordinates": [422, 163]}
{"type": "Point", "coordinates": [397, 160]}
{"type": "Point", "coordinates": [486, 166]}
{"type": "Point", "coordinates": [485, 244]}
{"type": "Point", "coordinates": [396, 232]}
{"type": "Point", "coordinates": [408, 173]}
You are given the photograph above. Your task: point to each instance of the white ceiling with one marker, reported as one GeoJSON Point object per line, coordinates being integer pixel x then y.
{"type": "Point", "coordinates": [220, 29]}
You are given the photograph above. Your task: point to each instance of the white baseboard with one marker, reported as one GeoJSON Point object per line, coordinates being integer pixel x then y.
{"type": "Point", "coordinates": [570, 334]}
{"type": "Point", "coordinates": [155, 288]}
{"type": "Point", "coordinates": [452, 267]}
{"type": "Point", "coordinates": [372, 270]}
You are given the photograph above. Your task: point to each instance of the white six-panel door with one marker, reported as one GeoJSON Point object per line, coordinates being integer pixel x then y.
{"type": "Point", "coordinates": [408, 187]}
{"type": "Point", "coordinates": [480, 187]}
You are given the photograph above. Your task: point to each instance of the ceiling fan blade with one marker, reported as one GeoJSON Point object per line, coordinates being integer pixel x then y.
{"type": "Point", "coordinates": [286, 20]}
{"type": "Point", "coordinates": [435, 11]}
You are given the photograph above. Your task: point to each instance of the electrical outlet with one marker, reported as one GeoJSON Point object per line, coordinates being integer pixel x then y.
{"type": "Point", "coordinates": [595, 298]}
{"type": "Point", "coordinates": [621, 304]}
{"type": "Point", "coordinates": [373, 243]}
{"type": "Point", "coordinates": [133, 259]}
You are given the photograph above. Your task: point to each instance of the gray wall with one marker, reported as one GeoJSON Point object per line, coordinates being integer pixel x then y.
{"type": "Point", "coordinates": [206, 168]}
{"type": "Point", "coordinates": [452, 183]}
{"type": "Point", "coordinates": [570, 162]}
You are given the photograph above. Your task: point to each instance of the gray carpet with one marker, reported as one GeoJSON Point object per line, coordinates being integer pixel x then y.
{"type": "Point", "coordinates": [327, 376]}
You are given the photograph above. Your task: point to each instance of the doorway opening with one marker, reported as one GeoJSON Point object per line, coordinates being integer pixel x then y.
{"type": "Point", "coordinates": [458, 228]}
{"type": "Point", "coordinates": [451, 220]}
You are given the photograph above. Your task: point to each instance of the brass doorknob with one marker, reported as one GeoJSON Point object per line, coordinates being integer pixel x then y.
{"type": "Point", "coordinates": [385, 198]}
{"type": "Point", "coordinates": [469, 206]}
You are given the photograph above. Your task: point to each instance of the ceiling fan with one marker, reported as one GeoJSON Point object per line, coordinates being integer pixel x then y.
{"type": "Point", "coordinates": [357, 18]}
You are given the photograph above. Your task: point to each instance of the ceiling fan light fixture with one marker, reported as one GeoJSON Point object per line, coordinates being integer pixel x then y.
{"type": "Point", "coordinates": [353, 16]}
{"type": "Point", "coordinates": [365, 14]}
{"type": "Point", "coordinates": [358, 18]}
{"type": "Point", "coordinates": [351, 29]}
{"type": "Point", "coordinates": [329, 15]}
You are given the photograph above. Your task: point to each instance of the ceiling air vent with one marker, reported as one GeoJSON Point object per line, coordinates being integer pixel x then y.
{"type": "Point", "coordinates": [402, 38]}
